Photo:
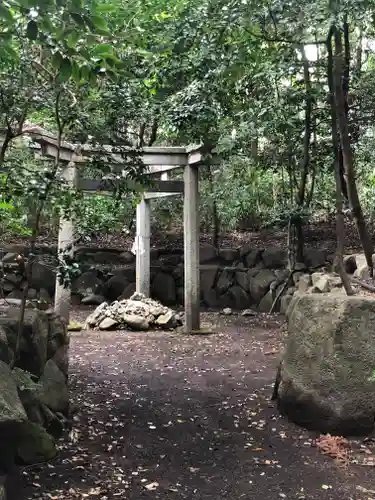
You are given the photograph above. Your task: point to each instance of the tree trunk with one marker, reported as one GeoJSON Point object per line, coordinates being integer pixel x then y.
{"type": "Point", "coordinates": [214, 214]}
{"type": "Point", "coordinates": [300, 240]}
{"type": "Point", "coordinates": [342, 120]}
{"type": "Point", "coordinates": [305, 163]}
{"type": "Point", "coordinates": [340, 223]}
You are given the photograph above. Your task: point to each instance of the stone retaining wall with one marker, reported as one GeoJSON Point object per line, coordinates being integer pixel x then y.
{"type": "Point", "coordinates": [34, 400]}
{"type": "Point", "coordinates": [230, 277]}
{"type": "Point", "coordinates": [238, 278]}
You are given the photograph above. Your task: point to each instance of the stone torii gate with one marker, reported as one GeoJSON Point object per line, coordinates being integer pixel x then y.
{"type": "Point", "coordinates": [159, 161]}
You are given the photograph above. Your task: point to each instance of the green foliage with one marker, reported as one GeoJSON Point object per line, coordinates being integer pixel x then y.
{"type": "Point", "coordinates": [237, 75]}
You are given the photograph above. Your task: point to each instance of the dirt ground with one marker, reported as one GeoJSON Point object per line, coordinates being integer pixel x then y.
{"type": "Point", "coordinates": [172, 416]}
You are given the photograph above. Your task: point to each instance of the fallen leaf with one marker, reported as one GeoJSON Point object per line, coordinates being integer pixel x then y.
{"type": "Point", "coordinates": [151, 486]}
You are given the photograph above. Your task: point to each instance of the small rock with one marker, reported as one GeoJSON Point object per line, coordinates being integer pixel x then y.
{"type": "Point", "coordinates": [93, 300]}
{"type": "Point", "coordinates": [248, 312]}
{"type": "Point", "coordinates": [136, 322]}
{"type": "Point", "coordinates": [297, 276]}
{"type": "Point", "coordinates": [322, 284]}
{"type": "Point", "coordinates": [95, 317]}
{"type": "Point", "coordinates": [167, 320]}
{"type": "Point", "coordinates": [304, 283]}
{"type": "Point", "coordinates": [107, 324]}
{"type": "Point", "coordinates": [227, 311]}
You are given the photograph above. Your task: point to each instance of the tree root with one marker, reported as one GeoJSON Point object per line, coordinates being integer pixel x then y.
{"type": "Point", "coordinates": [364, 285]}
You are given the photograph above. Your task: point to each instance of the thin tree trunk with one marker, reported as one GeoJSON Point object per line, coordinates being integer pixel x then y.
{"type": "Point", "coordinates": [347, 154]}
{"type": "Point", "coordinates": [4, 147]}
{"type": "Point", "coordinates": [300, 239]}
{"type": "Point", "coordinates": [305, 163]}
{"type": "Point", "coordinates": [214, 214]}
{"type": "Point", "coordinates": [154, 132]}
{"type": "Point", "coordinates": [307, 136]}
{"type": "Point", "coordinates": [340, 223]}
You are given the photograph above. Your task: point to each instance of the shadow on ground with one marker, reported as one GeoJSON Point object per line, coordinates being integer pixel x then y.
{"type": "Point", "coordinates": [169, 416]}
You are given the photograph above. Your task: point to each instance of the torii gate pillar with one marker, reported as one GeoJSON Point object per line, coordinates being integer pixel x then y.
{"type": "Point", "coordinates": [65, 246]}
{"type": "Point", "coordinates": [191, 249]}
{"type": "Point", "coordinates": [143, 247]}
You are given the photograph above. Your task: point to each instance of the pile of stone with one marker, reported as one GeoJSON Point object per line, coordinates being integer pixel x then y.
{"type": "Point", "coordinates": [34, 398]}
{"type": "Point", "coordinates": [137, 313]}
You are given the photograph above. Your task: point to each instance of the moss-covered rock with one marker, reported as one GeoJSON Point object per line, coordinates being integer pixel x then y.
{"type": "Point", "coordinates": [11, 409]}
{"type": "Point", "coordinates": [55, 392]}
{"type": "Point", "coordinates": [33, 342]}
{"type": "Point", "coordinates": [34, 444]}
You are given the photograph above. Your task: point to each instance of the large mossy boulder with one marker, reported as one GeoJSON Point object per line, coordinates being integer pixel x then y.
{"type": "Point", "coordinates": [12, 416]}
{"type": "Point", "coordinates": [327, 372]}
{"type": "Point", "coordinates": [11, 409]}
{"type": "Point", "coordinates": [33, 341]}
{"type": "Point", "coordinates": [35, 445]}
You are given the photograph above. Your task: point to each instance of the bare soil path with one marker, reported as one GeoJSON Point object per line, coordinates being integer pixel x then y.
{"type": "Point", "coordinates": [168, 416]}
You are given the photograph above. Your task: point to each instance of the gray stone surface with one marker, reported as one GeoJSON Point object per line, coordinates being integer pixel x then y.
{"type": "Point", "coordinates": [229, 254]}
{"type": "Point", "coordinates": [54, 393]}
{"type": "Point", "coordinates": [113, 288]}
{"type": "Point", "coordinates": [266, 303]}
{"type": "Point", "coordinates": [61, 358]}
{"type": "Point", "coordinates": [226, 279]}
{"type": "Point", "coordinates": [34, 339]}
{"type": "Point", "coordinates": [87, 283]}
{"type": "Point", "coordinates": [93, 300]}
{"type": "Point", "coordinates": [43, 277]}
{"type": "Point", "coordinates": [304, 283]}
{"type": "Point", "coordinates": [284, 303]}
{"type": "Point", "coordinates": [274, 258]}
{"type": "Point", "coordinates": [35, 445]}
{"type": "Point", "coordinates": [11, 409]}
{"type": "Point", "coordinates": [128, 292]}
{"type": "Point", "coordinates": [327, 372]}
{"type": "Point", "coordinates": [259, 284]}
{"type": "Point", "coordinates": [243, 280]}
{"type": "Point", "coordinates": [315, 258]}
{"type": "Point", "coordinates": [164, 288]}
{"type": "Point", "coordinates": [207, 253]}
{"type": "Point", "coordinates": [241, 298]}
{"type": "Point", "coordinates": [253, 258]}
{"type": "Point", "coordinates": [136, 322]}
{"type": "Point", "coordinates": [108, 324]}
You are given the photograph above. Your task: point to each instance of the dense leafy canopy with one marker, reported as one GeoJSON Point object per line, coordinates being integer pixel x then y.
{"type": "Point", "coordinates": [248, 76]}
